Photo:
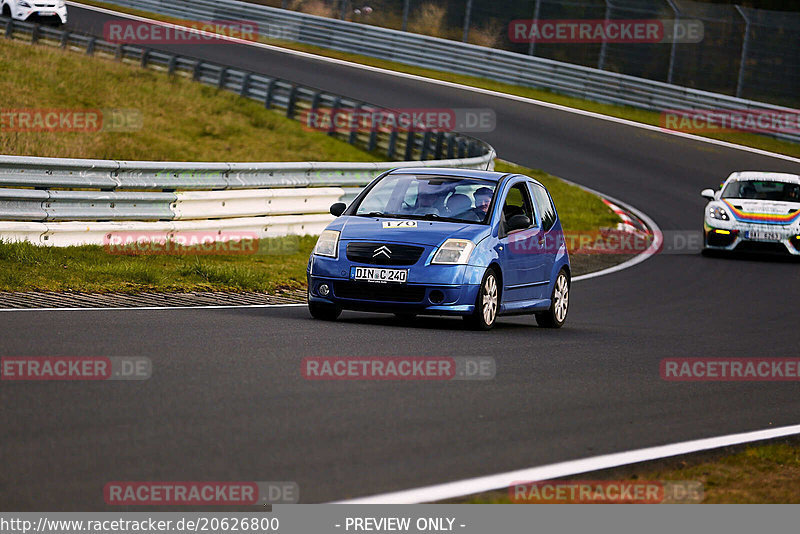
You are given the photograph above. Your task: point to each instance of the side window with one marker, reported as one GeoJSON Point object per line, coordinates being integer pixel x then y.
{"type": "Point", "coordinates": [517, 203]}
{"type": "Point", "coordinates": [545, 206]}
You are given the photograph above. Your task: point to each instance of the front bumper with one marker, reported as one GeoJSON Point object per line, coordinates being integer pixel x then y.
{"type": "Point", "coordinates": [430, 290]}
{"type": "Point", "coordinates": [37, 14]}
{"type": "Point", "coordinates": [732, 236]}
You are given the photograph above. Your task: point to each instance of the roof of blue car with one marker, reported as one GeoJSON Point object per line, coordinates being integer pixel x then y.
{"type": "Point", "coordinates": [441, 171]}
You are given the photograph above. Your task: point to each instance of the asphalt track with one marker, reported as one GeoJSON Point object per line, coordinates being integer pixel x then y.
{"type": "Point", "coordinates": [227, 400]}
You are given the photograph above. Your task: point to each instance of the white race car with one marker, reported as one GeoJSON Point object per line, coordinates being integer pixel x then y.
{"type": "Point", "coordinates": [754, 211]}
{"type": "Point", "coordinates": [35, 10]}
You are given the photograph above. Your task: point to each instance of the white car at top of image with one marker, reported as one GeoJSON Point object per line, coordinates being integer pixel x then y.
{"type": "Point", "coordinates": [35, 10]}
{"type": "Point", "coordinates": [754, 211]}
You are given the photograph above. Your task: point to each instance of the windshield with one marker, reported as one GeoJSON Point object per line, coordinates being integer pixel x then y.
{"type": "Point", "coordinates": [763, 190]}
{"type": "Point", "coordinates": [429, 197]}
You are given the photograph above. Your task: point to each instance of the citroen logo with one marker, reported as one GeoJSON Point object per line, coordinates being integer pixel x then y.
{"type": "Point", "coordinates": [383, 249]}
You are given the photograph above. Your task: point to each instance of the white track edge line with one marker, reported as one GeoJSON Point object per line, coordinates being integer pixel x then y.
{"type": "Point", "coordinates": [472, 486]}
{"type": "Point", "coordinates": [459, 86]}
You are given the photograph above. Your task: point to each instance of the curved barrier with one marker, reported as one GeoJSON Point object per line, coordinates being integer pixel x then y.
{"type": "Point", "coordinates": [62, 202]}
{"type": "Point", "coordinates": [462, 58]}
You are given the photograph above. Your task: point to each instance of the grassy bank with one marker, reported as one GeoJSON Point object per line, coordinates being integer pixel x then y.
{"type": "Point", "coordinates": [181, 120]}
{"type": "Point", "coordinates": [624, 112]}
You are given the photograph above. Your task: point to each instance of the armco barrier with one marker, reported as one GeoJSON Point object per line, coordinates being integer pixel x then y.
{"type": "Point", "coordinates": [461, 58]}
{"type": "Point", "coordinates": [61, 202]}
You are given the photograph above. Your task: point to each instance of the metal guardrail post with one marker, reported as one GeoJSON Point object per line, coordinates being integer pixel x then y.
{"type": "Point", "coordinates": [406, 5]}
{"type": "Point", "coordinates": [269, 94]}
{"type": "Point", "coordinates": [35, 34]}
{"type": "Point", "coordinates": [601, 60]}
{"type": "Point", "coordinates": [673, 48]}
{"type": "Point", "coordinates": [353, 137]}
{"type": "Point", "coordinates": [343, 12]}
{"type": "Point", "coordinates": [536, 10]}
{"type": "Point", "coordinates": [426, 145]}
{"type": "Point", "coordinates": [118, 53]}
{"type": "Point", "coordinates": [392, 143]}
{"type": "Point", "coordinates": [467, 15]}
{"type": "Point", "coordinates": [745, 50]}
{"type": "Point", "coordinates": [462, 149]}
{"type": "Point", "coordinates": [410, 142]}
{"type": "Point", "coordinates": [64, 41]}
{"type": "Point", "coordinates": [173, 60]}
{"type": "Point", "coordinates": [451, 152]}
{"type": "Point", "coordinates": [90, 46]}
{"type": "Point", "coordinates": [315, 98]}
{"type": "Point", "coordinates": [245, 84]}
{"type": "Point", "coordinates": [221, 80]}
{"type": "Point", "coordinates": [290, 103]}
{"type": "Point", "coordinates": [9, 29]}
{"type": "Point", "coordinates": [337, 102]}
{"type": "Point", "coordinates": [372, 144]}
{"type": "Point", "coordinates": [437, 154]}
{"type": "Point", "coordinates": [196, 70]}
{"type": "Point", "coordinates": [145, 53]}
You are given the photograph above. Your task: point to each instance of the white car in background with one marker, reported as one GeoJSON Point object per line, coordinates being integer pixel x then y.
{"type": "Point", "coordinates": [35, 10]}
{"type": "Point", "coordinates": [754, 211]}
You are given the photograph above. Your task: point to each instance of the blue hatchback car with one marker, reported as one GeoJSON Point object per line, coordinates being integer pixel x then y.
{"type": "Point", "coordinates": [434, 241]}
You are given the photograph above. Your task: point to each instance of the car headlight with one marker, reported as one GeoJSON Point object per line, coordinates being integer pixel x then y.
{"type": "Point", "coordinates": [328, 244]}
{"type": "Point", "coordinates": [454, 252]}
{"type": "Point", "coordinates": [62, 3]}
{"type": "Point", "coordinates": [715, 212]}
{"type": "Point", "coordinates": [22, 3]}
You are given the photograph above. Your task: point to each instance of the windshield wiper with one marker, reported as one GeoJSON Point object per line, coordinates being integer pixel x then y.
{"type": "Point", "coordinates": [374, 214]}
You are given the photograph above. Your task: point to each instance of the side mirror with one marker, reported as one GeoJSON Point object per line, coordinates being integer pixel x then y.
{"type": "Point", "coordinates": [518, 222]}
{"type": "Point", "coordinates": [338, 208]}
{"type": "Point", "coordinates": [707, 193]}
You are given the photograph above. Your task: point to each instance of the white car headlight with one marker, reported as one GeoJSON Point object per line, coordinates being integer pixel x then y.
{"type": "Point", "coordinates": [454, 252]}
{"type": "Point", "coordinates": [328, 244]}
{"type": "Point", "coordinates": [715, 212]}
{"type": "Point", "coordinates": [62, 3]}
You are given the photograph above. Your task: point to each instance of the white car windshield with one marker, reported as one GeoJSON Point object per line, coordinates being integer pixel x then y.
{"type": "Point", "coordinates": [763, 190]}
{"type": "Point", "coordinates": [429, 197]}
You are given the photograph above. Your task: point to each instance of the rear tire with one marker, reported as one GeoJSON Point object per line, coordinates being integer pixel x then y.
{"type": "Point", "coordinates": [556, 316]}
{"type": "Point", "coordinates": [324, 312]}
{"type": "Point", "coordinates": [487, 304]}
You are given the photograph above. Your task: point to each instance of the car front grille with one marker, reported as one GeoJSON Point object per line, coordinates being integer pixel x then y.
{"type": "Point", "coordinates": [384, 253]}
{"type": "Point", "coordinates": [379, 292]}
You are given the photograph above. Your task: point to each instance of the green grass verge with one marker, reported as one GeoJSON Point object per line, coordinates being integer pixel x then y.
{"type": "Point", "coordinates": [182, 120]}
{"type": "Point", "coordinates": [624, 112]}
{"type": "Point", "coordinates": [757, 474]}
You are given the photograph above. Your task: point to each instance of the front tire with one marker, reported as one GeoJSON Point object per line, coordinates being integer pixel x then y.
{"type": "Point", "coordinates": [556, 316]}
{"type": "Point", "coordinates": [324, 312]}
{"type": "Point", "coordinates": [487, 304]}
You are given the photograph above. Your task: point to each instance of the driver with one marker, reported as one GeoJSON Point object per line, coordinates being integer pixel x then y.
{"type": "Point", "coordinates": [483, 199]}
